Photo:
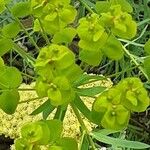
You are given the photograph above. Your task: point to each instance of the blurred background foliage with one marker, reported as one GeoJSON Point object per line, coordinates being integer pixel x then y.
{"type": "Point", "coordinates": [139, 128]}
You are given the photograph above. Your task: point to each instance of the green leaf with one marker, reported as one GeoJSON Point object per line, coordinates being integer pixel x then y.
{"type": "Point", "coordinates": [68, 11]}
{"type": "Point", "coordinates": [55, 96]}
{"type": "Point", "coordinates": [91, 57]}
{"type": "Point", "coordinates": [9, 101]}
{"type": "Point", "coordinates": [55, 148]}
{"type": "Point", "coordinates": [2, 6]}
{"type": "Point", "coordinates": [86, 78]}
{"type": "Point", "coordinates": [68, 143]}
{"type": "Point", "coordinates": [147, 47]}
{"type": "Point", "coordinates": [82, 107]}
{"type": "Point", "coordinates": [11, 30]}
{"type": "Point", "coordinates": [132, 98]}
{"type": "Point", "coordinates": [48, 110]}
{"type": "Point", "coordinates": [90, 92]}
{"type": "Point", "coordinates": [23, 144]}
{"type": "Point", "coordinates": [5, 45]}
{"type": "Point", "coordinates": [113, 48]}
{"type": "Point", "coordinates": [65, 35]}
{"type": "Point", "coordinates": [10, 77]}
{"type": "Point", "coordinates": [85, 143]}
{"type": "Point", "coordinates": [56, 128]}
{"type": "Point", "coordinates": [119, 142]}
{"type": "Point", "coordinates": [97, 117]}
{"type": "Point", "coordinates": [125, 5]}
{"type": "Point", "coordinates": [46, 105]}
{"type": "Point", "coordinates": [102, 6]}
{"type": "Point", "coordinates": [147, 66]}
{"type": "Point", "coordinates": [116, 119]}
{"type": "Point", "coordinates": [36, 26]}
{"type": "Point", "coordinates": [89, 3]}
{"type": "Point", "coordinates": [72, 72]}
{"type": "Point", "coordinates": [21, 9]}
{"type": "Point", "coordinates": [1, 62]}
{"type": "Point", "coordinates": [41, 88]}
{"type": "Point", "coordinates": [107, 131]}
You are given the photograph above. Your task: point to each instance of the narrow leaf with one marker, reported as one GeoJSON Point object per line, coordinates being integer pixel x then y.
{"type": "Point", "coordinates": [83, 108]}
{"type": "Point", "coordinates": [86, 78]}
{"type": "Point", "coordinates": [119, 142]}
{"type": "Point", "coordinates": [90, 92]}
{"type": "Point", "coordinates": [45, 107]}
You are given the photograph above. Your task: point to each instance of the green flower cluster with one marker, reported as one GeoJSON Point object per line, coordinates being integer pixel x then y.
{"type": "Point", "coordinates": [97, 31]}
{"type": "Point", "coordinates": [53, 14]}
{"type": "Point", "coordinates": [115, 105]}
{"type": "Point", "coordinates": [92, 39]}
{"type": "Point", "coordinates": [47, 132]}
{"type": "Point", "coordinates": [56, 68]}
{"type": "Point", "coordinates": [120, 23]}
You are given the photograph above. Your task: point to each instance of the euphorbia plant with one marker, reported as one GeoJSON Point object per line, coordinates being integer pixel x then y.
{"type": "Point", "coordinates": [58, 77]}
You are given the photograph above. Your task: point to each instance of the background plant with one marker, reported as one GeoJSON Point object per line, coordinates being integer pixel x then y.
{"type": "Point", "coordinates": [101, 28]}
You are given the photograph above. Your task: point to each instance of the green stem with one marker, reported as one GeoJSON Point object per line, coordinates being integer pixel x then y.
{"type": "Point", "coordinates": [44, 33]}
{"type": "Point", "coordinates": [132, 43]}
{"type": "Point", "coordinates": [60, 113]}
{"type": "Point", "coordinates": [86, 6]}
{"type": "Point", "coordinates": [83, 125]}
{"type": "Point", "coordinates": [135, 62]}
{"type": "Point", "coordinates": [143, 22]}
{"type": "Point", "coordinates": [28, 76]}
{"type": "Point", "coordinates": [23, 54]}
{"type": "Point", "coordinates": [29, 36]}
{"type": "Point", "coordinates": [119, 73]}
{"type": "Point", "coordinates": [24, 29]}
{"type": "Point", "coordinates": [82, 139]}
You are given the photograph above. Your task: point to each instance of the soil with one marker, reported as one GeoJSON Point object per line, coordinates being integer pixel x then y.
{"type": "Point", "coordinates": [5, 143]}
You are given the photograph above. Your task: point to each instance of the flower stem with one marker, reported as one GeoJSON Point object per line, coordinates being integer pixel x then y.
{"type": "Point", "coordinates": [43, 32]}
{"type": "Point", "coordinates": [24, 29]}
{"type": "Point", "coordinates": [23, 54]}
{"type": "Point", "coordinates": [135, 62]}
{"type": "Point", "coordinates": [84, 128]}
{"type": "Point", "coordinates": [86, 6]}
